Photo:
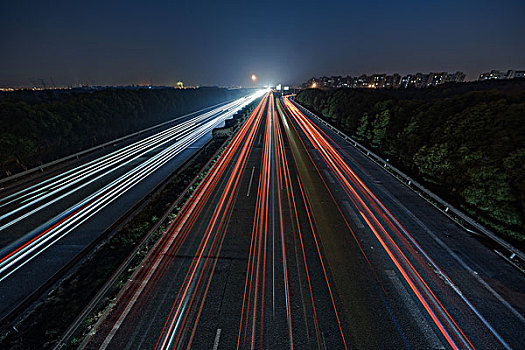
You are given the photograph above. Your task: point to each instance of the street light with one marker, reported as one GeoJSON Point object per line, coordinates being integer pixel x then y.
{"type": "Point", "coordinates": [314, 85]}
{"type": "Point", "coordinates": [254, 77]}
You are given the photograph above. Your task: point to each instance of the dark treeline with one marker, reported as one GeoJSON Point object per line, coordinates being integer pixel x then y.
{"type": "Point", "coordinates": [40, 126]}
{"type": "Point", "coordinates": [466, 141]}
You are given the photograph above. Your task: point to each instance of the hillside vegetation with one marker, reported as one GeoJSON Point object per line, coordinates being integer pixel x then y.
{"type": "Point", "coordinates": [38, 126]}
{"type": "Point", "coordinates": [466, 141]}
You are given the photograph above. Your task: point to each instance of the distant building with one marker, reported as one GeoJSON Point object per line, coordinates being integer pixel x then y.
{"type": "Point", "coordinates": [421, 80]}
{"type": "Point", "coordinates": [492, 75]}
{"type": "Point", "coordinates": [499, 75]}
{"type": "Point", "coordinates": [363, 81]}
{"type": "Point", "coordinates": [406, 81]}
{"type": "Point", "coordinates": [378, 81]}
{"type": "Point", "coordinates": [393, 81]}
{"type": "Point", "coordinates": [180, 85]}
{"type": "Point", "coordinates": [457, 77]}
{"type": "Point", "coordinates": [386, 81]}
{"type": "Point", "coordinates": [436, 79]}
{"type": "Point", "coordinates": [511, 74]}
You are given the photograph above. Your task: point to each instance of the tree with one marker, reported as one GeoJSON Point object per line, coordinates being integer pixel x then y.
{"type": "Point", "coordinates": [362, 133]}
{"type": "Point", "coordinates": [379, 128]}
{"type": "Point", "coordinates": [465, 141]}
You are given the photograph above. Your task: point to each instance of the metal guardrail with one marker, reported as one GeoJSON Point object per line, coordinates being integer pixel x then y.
{"type": "Point", "coordinates": [109, 284]}
{"type": "Point", "coordinates": [103, 145]}
{"type": "Point", "coordinates": [7, 321]}
{"type": "Point", "coordinates": [446, 208]}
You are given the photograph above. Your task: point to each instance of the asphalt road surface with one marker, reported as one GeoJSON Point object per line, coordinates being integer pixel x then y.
{"type": "Point", "coordinates": [296, 240]}
{"type": "Point", "coordinates": [46, 221]}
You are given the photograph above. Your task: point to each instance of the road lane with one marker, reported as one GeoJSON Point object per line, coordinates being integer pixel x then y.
{"type": "Point", "coordinates": [284, 245]}
{"type": "Point", "coordinates": [466, 277]}
{"type": "Point", "coordinates": [61, 215]}
{"type": "Point", "coordinates": [253, 284]}
{"type": "Point", "coordinates": [259, 268]}
{"type": "Point", "coordinates": [186, 256]}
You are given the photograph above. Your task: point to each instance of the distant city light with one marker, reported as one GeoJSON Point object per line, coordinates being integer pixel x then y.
{"type": "Point", "coordinates": [314, 85]}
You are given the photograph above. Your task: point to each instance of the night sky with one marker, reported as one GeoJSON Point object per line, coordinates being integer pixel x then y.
{"type": "Point", "coordinates": [223, 42]}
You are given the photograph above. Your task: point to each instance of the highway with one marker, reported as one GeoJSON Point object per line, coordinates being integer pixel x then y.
{"type": "Point", "coordinates": [472, 296]}
{"type": "Point", "coordinates": [46, 221]}
{"type": "Point", "coordinates": [296, 240]}
{"type": "Point", "coordinates": [228, 270]}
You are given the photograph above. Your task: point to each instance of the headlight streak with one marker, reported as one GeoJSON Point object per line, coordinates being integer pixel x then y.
{"type": "Point", "coordinates": [177, 233]}
{"type": "Point", "coordinates": [422, 291]}
{"type": "Point", "coordinates": [199, 230]}
{"type": "Point", "coordinates": [113, 161]}
{"type": "Point", "coordinates": [73, 180]}
{"type": "Point", "coordinates": [49, 233]}
{"type": "Point", "coordinates": [90, 206]}
{"type": "Point", "coordinates": [200, 117]}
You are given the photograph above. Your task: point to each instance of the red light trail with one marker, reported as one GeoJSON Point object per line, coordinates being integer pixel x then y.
{"type": "Point", "coordinates": [370, 208]}
{"type": "Point", "coordinates": [286, 289]}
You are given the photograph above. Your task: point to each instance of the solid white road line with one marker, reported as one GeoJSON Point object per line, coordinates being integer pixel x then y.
{"type": "Point", "coordinates": [250, 184]}
{"type": "Point", "coordinates": [217, 338]}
